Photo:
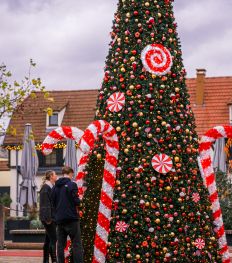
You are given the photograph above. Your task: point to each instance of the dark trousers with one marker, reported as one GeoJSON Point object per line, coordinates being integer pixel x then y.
{"type": "Point", "coordinates": [71, 229]}
{"type": "Point", "coordinates": [49, 247]}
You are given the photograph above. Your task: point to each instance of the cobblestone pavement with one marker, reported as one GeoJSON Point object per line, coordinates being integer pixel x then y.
{"type": "Point", "coordinates": [20, 260]}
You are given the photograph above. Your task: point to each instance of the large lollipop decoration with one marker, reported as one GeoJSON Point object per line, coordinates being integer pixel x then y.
{"type": "Point", "coordinates": [156, 59]}
{"type": "Point", "coordinates": [162, 163]}
{"type": "Point", "coordinates": [116, 102]}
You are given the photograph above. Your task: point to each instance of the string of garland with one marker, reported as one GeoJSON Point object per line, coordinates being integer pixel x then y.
{"type": "Point", "coordinates": [37, 147]}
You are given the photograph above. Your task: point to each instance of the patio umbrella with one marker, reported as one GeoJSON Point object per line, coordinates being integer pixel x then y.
{"type": "Point", "coordinates": [71, 155]}
{"type": "Point", "coordinates": [29, 168]}
{"type": "Point", "coordinates": [219, 159]}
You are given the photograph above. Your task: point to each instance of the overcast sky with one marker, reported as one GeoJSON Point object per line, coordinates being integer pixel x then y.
{"type": "Point", "coordinates": [69, 38]}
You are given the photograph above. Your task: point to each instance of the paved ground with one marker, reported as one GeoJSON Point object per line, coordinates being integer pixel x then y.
{"type": "Point", "coordinates": [20, 256]}
{"type": "Point", "coordinates": [26, 256]}
{"type": "Point", "coordinates": [20, 260]}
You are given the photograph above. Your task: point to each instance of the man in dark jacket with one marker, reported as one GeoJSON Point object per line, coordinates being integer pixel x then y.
{"type": "Point", "coordinates": [66, 201]}
{"type": "Point", "coordinates": [46, 214]}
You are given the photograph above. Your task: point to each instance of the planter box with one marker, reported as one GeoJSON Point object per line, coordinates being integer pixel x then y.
{"type": "Point", "coordinates": [229, 237]}
{"type": "Point", "coordinates": [28, 236]}
{"type": "Point", "coordinates": [12, 224]}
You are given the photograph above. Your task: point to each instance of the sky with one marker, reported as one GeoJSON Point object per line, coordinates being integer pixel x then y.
{"type": "Point", "coordinates": [68, 39]}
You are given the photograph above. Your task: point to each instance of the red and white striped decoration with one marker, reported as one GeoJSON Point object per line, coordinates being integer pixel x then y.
{"type": "Point", "coordinates": [121, 226]}
{"type": "Point", "coordinates": [200, 243]}
{"type": "Point", "coordinates": [209, 178]}
{"type": "Point", "coordinates": [162, 163]}
{"type": "Point", "coordinates": [116, 101]}
{"type": "Point", "coordinates": [196, 197]}
{"type": "Point", "coordinates": [64, 132]}
{"type": "Point", "coordinates": [109, 135]}
{"type": "Point", "coordinates": [156, 59]}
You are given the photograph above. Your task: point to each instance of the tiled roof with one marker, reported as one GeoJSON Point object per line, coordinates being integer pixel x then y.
{"type": "Point", "coordinates": [215, 110]}
{"type": "Point", "coordinates": [80, 108]}
{"type": "Point", "coordinates": [4, 165]}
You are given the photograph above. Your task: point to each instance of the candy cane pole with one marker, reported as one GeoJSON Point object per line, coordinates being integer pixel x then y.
{"type": "Point", "coordinates": [64, 132]}
{"type": "Point", "coordinates": [104, 213]}
{"type": "Point", "coordinates": [208, 174]}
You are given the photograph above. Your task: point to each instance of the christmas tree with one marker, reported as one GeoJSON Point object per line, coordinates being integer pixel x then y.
{"type": "Point", "coordinates": [161, 210]}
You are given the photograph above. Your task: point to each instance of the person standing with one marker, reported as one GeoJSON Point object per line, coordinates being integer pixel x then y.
{"type": "Point", "coordinates": [66, 202]}
{"type": "Point", "coordinates": [46, 214]}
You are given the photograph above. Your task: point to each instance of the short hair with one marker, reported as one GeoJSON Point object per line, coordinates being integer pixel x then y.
{"type": "Point", "coordinates": [67, 170]}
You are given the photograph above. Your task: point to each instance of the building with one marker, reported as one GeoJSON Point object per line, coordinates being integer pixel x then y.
{"type": "Point", "coordinates": [211, 101]}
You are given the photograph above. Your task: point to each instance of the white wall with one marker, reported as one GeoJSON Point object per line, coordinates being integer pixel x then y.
{"type": "Point", "coordinates": [11, 178]}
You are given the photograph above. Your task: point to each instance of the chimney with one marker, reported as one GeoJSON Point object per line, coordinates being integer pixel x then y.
{"type": "Point", "coordinates": [200, 87]}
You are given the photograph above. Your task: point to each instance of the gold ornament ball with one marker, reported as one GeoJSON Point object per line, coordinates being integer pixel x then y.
{"type": "Point", "coordinates": [99, 156]}
{"type": "Point", "coordinates": [135, 124]}
{"type": "Point", "coordinates": [147, 204]}
{"type": "Point", "coordinates": [118, 129]}
{"type": "Point", "coordinates": [132, 59]}
{"type": "Point", "coordinates": [137, 256]}
{"type": "Point", "coordinates": [163, 123]}
{"type": "Point", "coordinates": [140, 114]}
{"type": "Point", "coordinates": [165, 249]}
{"type": "Point", "coordinates": [131, 87]}
{"type": "Point", "coordinates": [168, 188]}
{"type": "Point", "coordinates": [172, 234]}
{"type": "Point", "coordinates": [126, 151]}
{"type": "Point", "coordinates": [123, 70]}
{"type": "Point", "coordinates": [147, 4]}
{"type": "Point", "coordinates": [136, 223]}
{"type": "Point", "coordinates": [159, 15]}
{"type": "Point", "coordinates": [177, 89]}
{"type": "Point", "coordinates": [136, 169]}
{"type": "Point", "coordinates": [177, 159]}
{"type": "Point", "coordinates": [118, 182]}
{"type": "Point", "coordinates": [128, 255]}
{"type": "Point", "coordinates": [128, 15]}
{"type": "Point", "coordinates": [124, 211]}
{"type": "Point", "coordinates": [150, 135]}
{"type": "Point", "coordinates": [157, 221]}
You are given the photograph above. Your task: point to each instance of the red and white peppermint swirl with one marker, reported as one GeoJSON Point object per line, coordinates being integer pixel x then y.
{"type": "Point", "coordinates": [162, 163]}
{"type": "Point", "coordinates": [208, 175]}
{"type": "Point", "coordinates": [200, 243]}
{"type": "Point", "coordinates": [64, 132]}
{"type": "Point", "coordinates": [110, 138]}
{"type": "Point", "coordinates": [156, 59]}
{"type": "Point", "coordinates": [196, 197]}
{"type": "Point", "coordinates": [116, 101]}
{"type": "Point", "coordinates": [121, 226]}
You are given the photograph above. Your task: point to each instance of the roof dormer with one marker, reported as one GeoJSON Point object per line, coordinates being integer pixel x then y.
{"type": "Point", "coordinates": [55, 119]}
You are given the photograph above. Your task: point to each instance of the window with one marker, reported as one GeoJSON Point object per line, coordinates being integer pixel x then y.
{"type": "Point", "coordinates": [55, 159]}
{"type": "Point", "coordinates": [53, 120]}
{"type": "Point", "coordinates": [50, 160]}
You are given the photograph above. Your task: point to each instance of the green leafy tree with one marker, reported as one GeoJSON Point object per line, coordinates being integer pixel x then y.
{"type": "Point", "coordinates": [165, 214]}
{"type": "Point", "coordinates": [12, 93]}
